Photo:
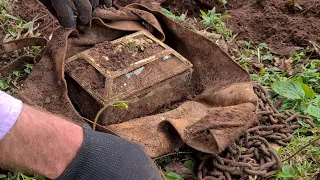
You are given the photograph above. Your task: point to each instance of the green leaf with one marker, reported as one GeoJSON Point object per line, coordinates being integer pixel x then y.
{"type": "Point", "coordinates": [263, 46]}
{"type": "Point", "coordinates": [246, 43]}
{"type": "Point", "coordinates": [168, 13]}
{"type": "Point", "coordinates": [289, 89]}
{"type": "Point", "coordinates": [24, 177]}
{"type": "Point", "coordinates": [173, 176]}
{"type": "Point", "coordinates": [308, 90]}
{"type": "Point", "coordinates": [182, 17]}
{"type": "Point", "coordinates": [315, 150]}
{"type": "Point", "coordinates": [267, 57]}
{"type": "Point", "coordinates": [2, 176]}
{"type": "Point", "coordinates": [316, 101]}
{"type": "Point", "coordinates": [224, 2]}
{"type": "Point", "coordinates": [190, 164]}
{"type": "Point", "coordinates": [313, 111]}
{"type": "Point", "coordinates": [204, 14]}
{"type": "Point", "coordinates": [303, 124]}
{"type": "Point", "coordinates": [288, 171]}
{"type": "Point", "coordinates": [40, 178]}
{"type": "Point", "coordinates": [121, 104]}
{"type": "Point", "coordinates": [280, 150]}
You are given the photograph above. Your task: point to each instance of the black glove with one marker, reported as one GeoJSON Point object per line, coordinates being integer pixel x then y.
{"type": "Point", "coordinates": [63, 11]}
{"type": "Point", "coordinates": [103, 157]}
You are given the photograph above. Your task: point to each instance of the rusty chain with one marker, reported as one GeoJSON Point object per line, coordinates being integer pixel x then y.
{"type": "Point", "coordinates": [251, 156]}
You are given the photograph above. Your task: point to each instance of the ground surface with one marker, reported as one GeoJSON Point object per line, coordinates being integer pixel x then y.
{"type": "Point", "coordinates": [284, 26]}
{"type": "Point", "coordinates": [281, 24]}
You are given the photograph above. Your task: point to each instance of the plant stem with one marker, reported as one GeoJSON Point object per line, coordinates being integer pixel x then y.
{"type": "Point", "coordinates": [301, 149]}
{"type": "Point", "coordinates": [98, 115]}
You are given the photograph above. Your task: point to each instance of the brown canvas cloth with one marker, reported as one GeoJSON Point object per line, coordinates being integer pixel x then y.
{"type": "Point", "coordinates": [216, 117]}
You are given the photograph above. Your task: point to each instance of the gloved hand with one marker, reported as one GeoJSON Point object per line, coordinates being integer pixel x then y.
{"type": "Point", "coordinates": [104, 156]}
{"type": "Point", "coordinates": [63, 11]}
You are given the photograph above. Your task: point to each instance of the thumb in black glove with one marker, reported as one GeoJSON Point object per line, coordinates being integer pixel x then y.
{"type": "Point", "coordinates": [103, 157]}
{"type": "Point", "coordinates": [63, 11]}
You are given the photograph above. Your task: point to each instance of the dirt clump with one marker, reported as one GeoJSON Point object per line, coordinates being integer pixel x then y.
{"type": "Point", "coordinates": [119, 56]}
{"type": "Point", "coordinates": [282, 25]}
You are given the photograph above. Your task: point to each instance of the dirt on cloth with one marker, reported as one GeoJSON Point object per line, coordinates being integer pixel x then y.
{"type": "Point", "coordinates": [284, 26]}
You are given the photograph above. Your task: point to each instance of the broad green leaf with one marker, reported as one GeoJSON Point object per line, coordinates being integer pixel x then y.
{"type": "Point", "coordinates": [313, 111]}
{"type": "Point", "coordinates": [173, 176]}
{"type": "Point", "coordinates": [307, 90]}
{"type": "Point", "coordinates": [288, 170]}
{"type": "Point", "coordinates": [289, 89]}
{"type": "Point", "coordinates": [316, 101]}
{"type": "Point", "coordinates": [2, 176]}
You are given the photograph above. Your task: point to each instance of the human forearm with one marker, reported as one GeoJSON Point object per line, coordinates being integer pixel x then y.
{"type": "Point", "coordinates": [48, 145]}
{"type": "Point", "coordinates": [40, 143]}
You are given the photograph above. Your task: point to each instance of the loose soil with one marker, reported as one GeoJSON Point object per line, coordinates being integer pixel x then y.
{"type": "Point", "coordinates": [191, 7]}
{"type": "Point", "coordinates": [31, 9]}
{"type": "Point", "coordinates": [5, 60]}
{"type": "Point", "coordinates": [119, 56]}
{"type": "Point", "coordinates": [280, 24]}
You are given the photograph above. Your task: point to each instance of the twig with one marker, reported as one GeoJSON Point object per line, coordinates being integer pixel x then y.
{"type": "Point", "coordinates": [301, 149]}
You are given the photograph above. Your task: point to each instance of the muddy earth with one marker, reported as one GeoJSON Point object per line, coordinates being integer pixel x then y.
{"type": "Point", "coordinates": [284, 26]}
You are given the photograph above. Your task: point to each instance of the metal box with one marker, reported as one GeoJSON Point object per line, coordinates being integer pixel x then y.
{"type": "Point", "coordinates": [137, 68]}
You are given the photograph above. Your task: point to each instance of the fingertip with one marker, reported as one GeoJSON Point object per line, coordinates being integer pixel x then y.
{"type": "Point", "coordinates": [84, 9]}
{"type": "Point", "coordinates": [94, 3]}
{"type": "Point", "coordinates": [64, 13]}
